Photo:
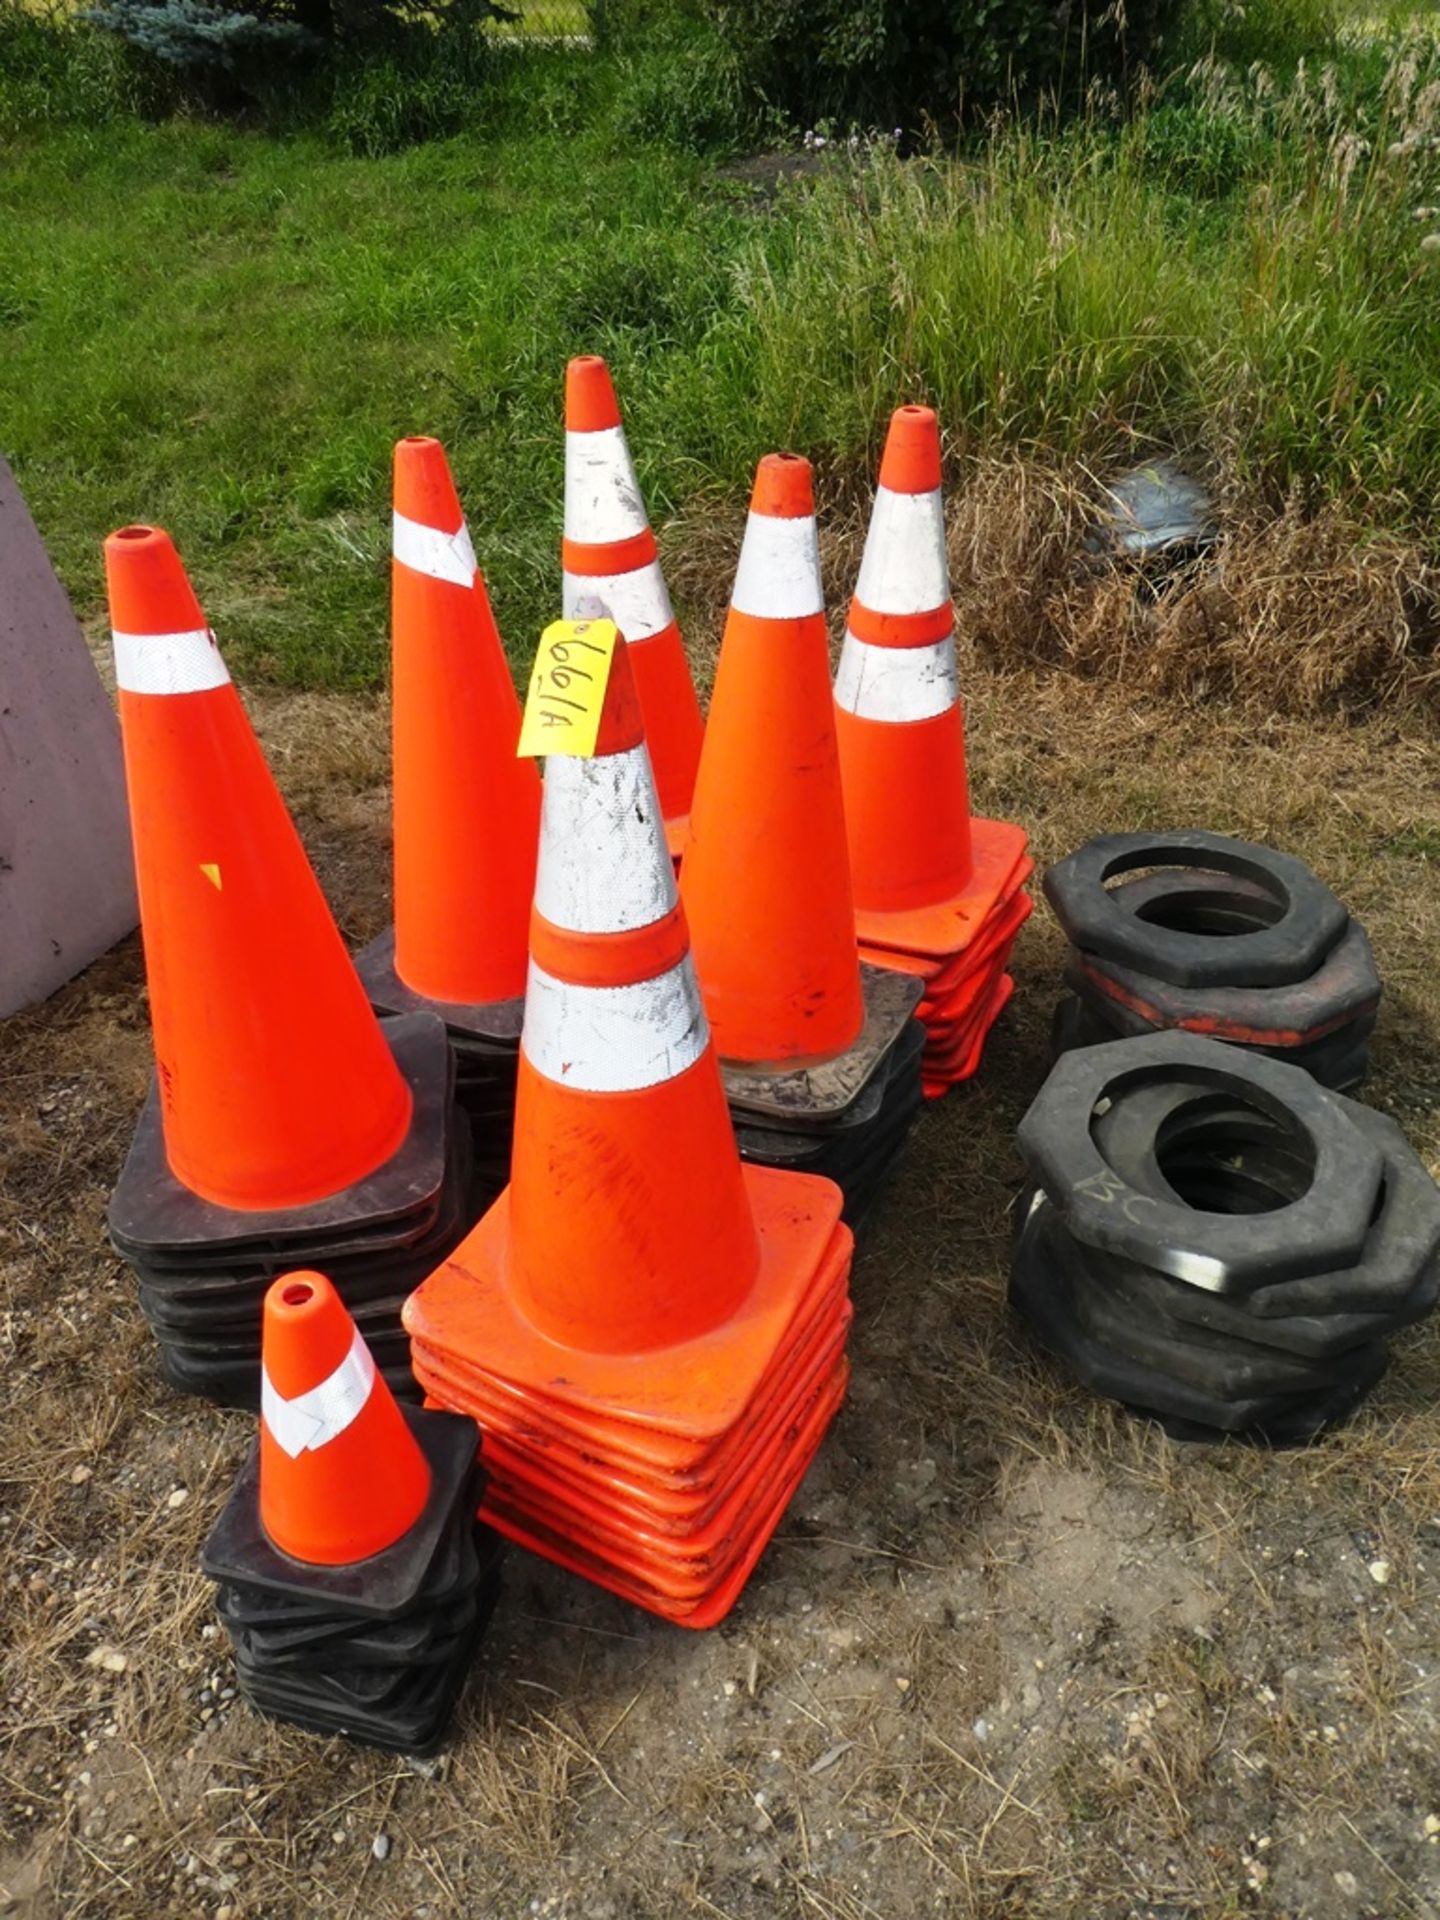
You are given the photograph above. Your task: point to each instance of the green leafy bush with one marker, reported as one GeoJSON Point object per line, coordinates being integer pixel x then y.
{"type": "Point", "coordinates": [685, 86]}
{"type": "Point", "coordinates": [903, 61]}
{"type": "Point", "coordinates": [56, 70]}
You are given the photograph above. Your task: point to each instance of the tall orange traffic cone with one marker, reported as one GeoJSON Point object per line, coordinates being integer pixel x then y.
{"type": "Point", "coordinates": [467, 810]}
{"type": "Point", "coordinates": [928, 876]}
{"type": "Point", "coordinates": [609, 551]}
{"type": "Point", "coordinates": [615, 1042]}
{"type": "Point", "coordinates": [636, 1297]}
{"type": "Point", "coordinates": [766, 880]}
{"type": "Point", "coordinates": [276, 1087]}
{"type": "Point", "coordinates": [285, 1127]}
{"type": "Point", "coordinates": [352, 1577]}
{"type": "Point", "coordinates": [766, 877]}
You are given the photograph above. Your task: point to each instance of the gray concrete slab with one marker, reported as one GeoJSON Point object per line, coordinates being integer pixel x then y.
{"type": "Point", "coordinates": [67, 885]}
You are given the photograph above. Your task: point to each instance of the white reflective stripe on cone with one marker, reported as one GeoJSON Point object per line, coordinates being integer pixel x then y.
{"type": "Point", "coordinates": [614, 1039]}
{"type": "Point", "coordinates": [604, 866]}
{"type": "Point", "coordinates": [602, 495]}
{"type": "Point", "coordinates": [168, 662]}
{"type": "Point", "coordinates": [904, 569]}
{"type": "Point", "coordinates": [637, 602]}
{"type": "Point", "coordinates": [779, 573]}
{"type": "Point", "coordinates": [321, 1413]}
{"type": "Point", "coordinates": [897, 683]}
{"type": "Point", "coordinates": [444, 556]}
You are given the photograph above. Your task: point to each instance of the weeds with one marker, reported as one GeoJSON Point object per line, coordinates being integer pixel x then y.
{"type": "Point", "coordinates": [226, 331]}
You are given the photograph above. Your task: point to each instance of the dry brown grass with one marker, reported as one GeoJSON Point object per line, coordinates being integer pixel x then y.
{"type": "Point", "coordinates": [1071, 1669]}
{"type": "Point", "coordinates": [1298, 613]}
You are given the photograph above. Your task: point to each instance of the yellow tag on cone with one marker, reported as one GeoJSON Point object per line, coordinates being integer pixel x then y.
{"type": "Point", "coordinates": [567, 688]}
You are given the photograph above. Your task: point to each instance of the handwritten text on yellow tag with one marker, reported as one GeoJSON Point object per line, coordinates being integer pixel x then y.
{"type": "Point", "coordinates": [567, 688]}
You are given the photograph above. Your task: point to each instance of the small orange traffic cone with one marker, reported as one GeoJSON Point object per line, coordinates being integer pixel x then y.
{"type": "Point", "coordinates": [276, 1086]}
{"type": "Point", "coordinates": [284, 1123]}
{"type": "Point", "coordinates": [928, 876]}
{"type": "Point", "coordinates": [467, 810]}
{"type": "Point", "coordinates": [351, 1575]}
{"type": "Point", "coordinates": [629, 1316]}
{"type": "Point", "coordinates": [609, 552]}
{"type": "Point", "coordinates": [766, 876]}
{"type": "Point", "coordinates": [341, 1475]}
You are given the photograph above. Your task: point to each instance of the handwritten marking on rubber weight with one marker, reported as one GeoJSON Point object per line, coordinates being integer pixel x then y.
{"type": "Point", "coordinates": [211, 871]}
{"type": "Point", "coordinates": [567, 688]}
{"type": "Point", "coordinates": [1108, 1187]}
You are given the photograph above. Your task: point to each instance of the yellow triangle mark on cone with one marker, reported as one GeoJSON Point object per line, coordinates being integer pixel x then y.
{"type": "Point", "coordinates": [211, 872]}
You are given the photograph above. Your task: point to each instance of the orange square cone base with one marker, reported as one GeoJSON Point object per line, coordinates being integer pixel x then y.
{"type": "Point", "coordinates": [659, 1475]}
{"type": "Point", "coordinates": [967, 987]}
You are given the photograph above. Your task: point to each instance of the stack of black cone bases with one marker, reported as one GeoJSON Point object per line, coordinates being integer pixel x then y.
{"type": "Point", "coordinates": [1215, 936]}
{"type": "Point", "coordinates": [351, 1574]}
{"type": "Point", "coordinates": [1217, 1241]}
{"type": "Point", "coordinates": [485, 1043]}
{"type": "Point", "coordinates": [847, 1118]}
{"type": "Point", "coordinates": [203, 1268]}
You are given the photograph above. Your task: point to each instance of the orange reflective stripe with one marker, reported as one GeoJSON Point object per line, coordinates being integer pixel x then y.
{"type": "Point", "coordinates": [609, 959]}
{"type": "Point", "coordinates": [901, 629]}
{"type": "Point", "coordinates": [608, 556]}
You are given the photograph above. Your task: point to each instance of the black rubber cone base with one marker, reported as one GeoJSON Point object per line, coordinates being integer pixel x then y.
{"type": "Point", "coordinates": [802, 1098]}
{"type": "Point", "coordinates": [857, 1154]}
{"type": "Point", "coordinates": [414, 1720]}
{"type": "Point", "coordinates": [496, 1022]}
{"type": "Point", "coordinates": [203, 1299]}
{"type": "Point", "coordinates": [1198, 1390]}
{"type": "Point", "coordinates": [151, 1208]}
{"type": "Point", "coordinates": [239, 1552]}
{"type": "Point", "coordinates": [486, 1040]}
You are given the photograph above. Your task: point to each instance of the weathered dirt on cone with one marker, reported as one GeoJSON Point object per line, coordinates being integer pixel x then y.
{"type": "Point", "coordinates": [1012, 1653]}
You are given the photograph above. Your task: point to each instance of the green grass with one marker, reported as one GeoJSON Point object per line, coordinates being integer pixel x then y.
{"type": "Point", "coordinates": [225, 331]}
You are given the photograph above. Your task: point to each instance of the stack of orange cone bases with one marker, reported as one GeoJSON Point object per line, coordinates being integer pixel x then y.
{"type": "Point", "coordinates": [938, 893]}
{"type": "Point", "coordinates": [609, 555]}
{"type": "Point", "coordinates": [651, 1336]}
{"type": "Point", "coordinates": [466, 809]}
{"type": "Point", "coordinates": [818, 1053]}
{"type": "Point", "coordinates": [285, 1126]}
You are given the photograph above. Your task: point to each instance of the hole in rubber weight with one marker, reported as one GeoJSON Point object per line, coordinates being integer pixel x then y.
{"type": "Point", "coordinates": [1213, 911]}
{"type": "Point", "coordinates": [1215, 1168]}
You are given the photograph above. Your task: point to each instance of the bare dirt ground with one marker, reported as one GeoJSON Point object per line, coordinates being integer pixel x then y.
{"type": "Point", "coordinates": [1012, 1654]}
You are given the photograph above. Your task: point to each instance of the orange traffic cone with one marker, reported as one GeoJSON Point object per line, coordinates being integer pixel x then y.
{"type": "Point", "coordinates": [351, 1575]}
{"type": "Point", "coordinates": [803, 1031]}
{"type": "Point", "coordinates": [928, 876]}
{"type": "Point", "coordinates": [629, 1316]}
{"type": "Point", "coordinates": [609, 552]}
{"type": "Point", "coordinates": [283, 1122]}
{"type": "Point", "coordinates": [467, 810]}
{"type": "Point", "coordinates": [341, 1475]}
{"type": "Point", "coordinates": [276, 1087]}
{"type": "Point", "coordinates": [766, 876]}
